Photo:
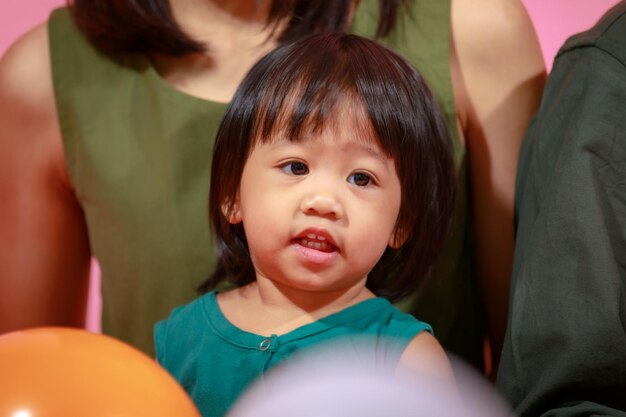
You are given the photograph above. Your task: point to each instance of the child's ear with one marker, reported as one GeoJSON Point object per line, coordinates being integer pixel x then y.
{"type": "Point", "coordinates": [232, 211]}
{"type": "Point", "coordinates": [398, 237]}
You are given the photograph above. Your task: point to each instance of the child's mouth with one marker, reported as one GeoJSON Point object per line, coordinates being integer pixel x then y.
{"type": "Point", "coordinates": [316, 248]}
{"type": "Point", "coordinates": [316, 240]}
{"type": "Point", "coordinates": [320, 245]}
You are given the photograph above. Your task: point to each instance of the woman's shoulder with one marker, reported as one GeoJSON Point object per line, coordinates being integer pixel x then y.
{"type": "Point", "coordinates": [507, 19]}
{"type": "Point", "coordinates": [27, 103]}
{"type": "Point", "coordinates": [494, 51]}
{"type": "Point", "coordinates": [25, 73]}
{"type": "Point", "coordinates": [497, 32]}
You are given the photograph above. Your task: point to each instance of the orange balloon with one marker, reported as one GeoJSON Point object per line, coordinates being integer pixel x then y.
{"type": "Point", "coordinates": [64, 372]}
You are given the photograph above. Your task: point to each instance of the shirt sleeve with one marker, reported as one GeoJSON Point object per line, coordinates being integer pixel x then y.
{"type": "Point", "coordinates": [160, 333]}
{"type": "Point", "coordinates": [565, 348]}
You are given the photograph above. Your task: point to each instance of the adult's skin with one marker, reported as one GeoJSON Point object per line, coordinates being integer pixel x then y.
{"type": "Point", "coordinates": [497, 73]}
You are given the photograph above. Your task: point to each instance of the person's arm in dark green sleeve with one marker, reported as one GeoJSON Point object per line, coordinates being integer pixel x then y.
{"type": "Point", "coordinates": [565, 348]}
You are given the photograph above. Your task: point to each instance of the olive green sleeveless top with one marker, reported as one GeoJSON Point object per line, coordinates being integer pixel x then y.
{"type": "Point", "coordinates": [138, 154]}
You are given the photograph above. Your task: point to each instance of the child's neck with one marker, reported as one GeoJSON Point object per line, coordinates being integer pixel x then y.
{"type": "Point", "coordinates": [273, 294]}
{"type": "Point", "coordinates": [263, 308]}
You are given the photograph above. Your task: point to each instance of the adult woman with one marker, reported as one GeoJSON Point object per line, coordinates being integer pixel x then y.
{"type": "Point", "coordinates": [104, 152]}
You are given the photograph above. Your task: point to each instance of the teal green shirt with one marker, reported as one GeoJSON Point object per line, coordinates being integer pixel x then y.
{"type": "Point", "coordinates": [216, 361]}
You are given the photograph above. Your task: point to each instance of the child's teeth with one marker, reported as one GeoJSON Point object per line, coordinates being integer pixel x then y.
{"type": "Point", "coordinates": [314, 236]}
{"type": "Point", "coordinates": [313, 245]}
{"type": "Point", "coordinates": [320, 245]}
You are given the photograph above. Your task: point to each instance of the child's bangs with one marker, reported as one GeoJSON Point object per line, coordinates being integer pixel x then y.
{"type": "Point", "coordinates": [339, 88]}
{"type": "Point", "coordinates": [299, 117]}
{"type": "Point", "coordinates": [305, 91]}
{"type": "Point", "coordinates": [300, 106]}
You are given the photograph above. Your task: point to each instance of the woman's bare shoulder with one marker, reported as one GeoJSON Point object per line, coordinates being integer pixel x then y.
{"type": "Point", "coordinates": [496, 59]}
{"type": "Point", "coordinates": [494, 43]}
{"type": "Point", "coordinates": [497, 22]}
{"type": "Point", "coordinates": [25, 74]}
{"type": "Point", "coordinates": [31, 148]}
{"type": "Point", "coordinates": [28, 120]}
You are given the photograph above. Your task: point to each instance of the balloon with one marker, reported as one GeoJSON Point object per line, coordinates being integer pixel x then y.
{"type": "Point", "coordinates": [63, 372]}
{"type": "Point", "coordinates": [338, 383]}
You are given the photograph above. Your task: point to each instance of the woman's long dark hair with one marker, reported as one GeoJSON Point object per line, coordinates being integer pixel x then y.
{"type": "Point", "coordinates": [294, 90]}
{"type": "Point", "coordinates": [147, 26]}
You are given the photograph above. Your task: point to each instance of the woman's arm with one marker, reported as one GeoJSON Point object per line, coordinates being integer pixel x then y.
{"type": "Point", "coordinates": [498, 76]}
{"type": "Point", "coordinates": [44, 249]}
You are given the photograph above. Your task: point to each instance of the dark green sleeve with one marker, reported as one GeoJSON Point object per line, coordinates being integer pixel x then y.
{"type": "Point", "coordinates": [565, 348]}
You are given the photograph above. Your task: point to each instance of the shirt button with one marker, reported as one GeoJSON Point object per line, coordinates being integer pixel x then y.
{"type": "Point", "coordinates": [265, 344]}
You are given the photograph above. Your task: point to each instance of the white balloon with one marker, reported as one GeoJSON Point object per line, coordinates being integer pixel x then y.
{"type": "Point", "coordinates": [336, 382]}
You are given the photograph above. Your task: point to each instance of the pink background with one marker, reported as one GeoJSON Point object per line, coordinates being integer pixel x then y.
{"type": "Point", "coordinates": [554, 21]}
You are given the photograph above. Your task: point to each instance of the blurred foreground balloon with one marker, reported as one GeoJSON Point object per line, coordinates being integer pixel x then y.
{"type": "Point", "coordinates": [63, 372]}
{"type": "Point", "coordinates": [337, 383]}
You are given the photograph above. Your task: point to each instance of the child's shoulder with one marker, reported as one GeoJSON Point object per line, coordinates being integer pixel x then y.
{"type": "Point", "coordinates": [183, 324]}
{"type": "Point", "coordinates": [424, 356]}
{"type": "Point", "coordinates": [404, 323]}
{"type": "Point", "coordinates": [378, 317]}
{"type": "Point", "coordinates": [192, 310]}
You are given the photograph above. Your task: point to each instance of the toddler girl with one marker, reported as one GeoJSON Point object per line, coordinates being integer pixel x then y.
{"type": "Point", "coordinates": [331, 192]}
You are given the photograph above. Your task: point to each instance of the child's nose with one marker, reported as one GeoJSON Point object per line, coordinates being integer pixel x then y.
{"type": "Point", "coordinates": [322, 204]}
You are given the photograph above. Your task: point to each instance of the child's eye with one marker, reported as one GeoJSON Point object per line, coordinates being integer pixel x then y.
{"type": "Point", "coordinates": [360, 179]}
{"type": "Point", "coordinates": [295, 168]}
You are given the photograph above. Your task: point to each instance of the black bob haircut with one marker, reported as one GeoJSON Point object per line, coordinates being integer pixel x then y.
{"type": "Point", "coordinates": [293, 91]}
{"type": "Point", "coordinates": [148, 26]}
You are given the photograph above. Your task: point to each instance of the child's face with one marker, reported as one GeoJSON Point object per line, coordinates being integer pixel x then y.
{"type": "Point", "coordinates": [319, 213]}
